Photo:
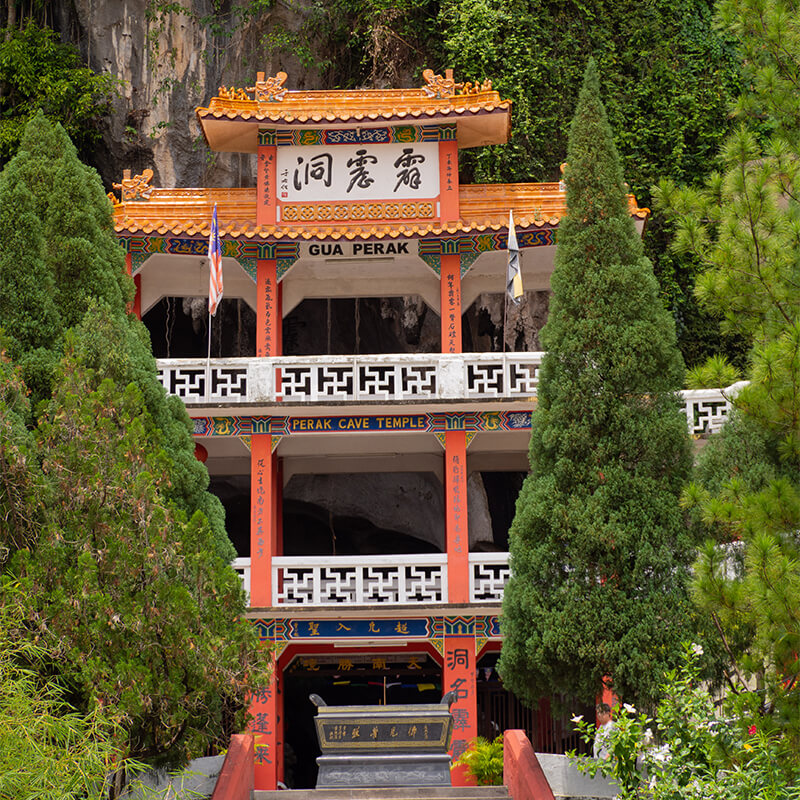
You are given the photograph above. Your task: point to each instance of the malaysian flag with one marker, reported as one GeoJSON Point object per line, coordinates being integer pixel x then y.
{"type": "Point", "coordinates": [215, 266]}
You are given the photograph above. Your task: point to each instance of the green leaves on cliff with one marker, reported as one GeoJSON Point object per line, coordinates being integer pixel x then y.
{"type": "Point", "coordinates": [668, 79]}
{"type": "Point", "coordinates": [38, 72]}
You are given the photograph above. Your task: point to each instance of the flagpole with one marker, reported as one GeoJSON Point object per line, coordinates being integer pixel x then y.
{"type": "Point", "coordinates": [505, 316]}
{"type": "Point", "coordinates": [214, 288]}
{"type": "Point", "coordinates": [208, 360]}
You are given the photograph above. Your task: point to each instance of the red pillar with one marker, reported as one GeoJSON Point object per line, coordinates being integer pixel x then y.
{"type": "Point", "coordinates": [449, 209]}
{"type": "Point", "coordinates": [459, 677]}
{"type": "Point", "coordinates": [266, 726]}
{"type": "Point", "coordinates": [456, 527]}
{"type": "Point", "coordinates": [451, 303]}
{"type": "Point", "coordinates": [136, 305]}
{"type": "Point", "coordinates": [459, 674]}
{"type": "Point", "coordinates": [266, 496]}
{"type": "Point", "coordinates": [269, 317]}
{"type": "Point", "coordinates": [263, 533]}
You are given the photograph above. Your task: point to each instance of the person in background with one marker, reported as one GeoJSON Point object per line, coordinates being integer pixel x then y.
{"type": "Point", "coordinates": [604, 726]}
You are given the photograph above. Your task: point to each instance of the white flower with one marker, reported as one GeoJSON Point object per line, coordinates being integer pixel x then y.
{"type": "Point", "coordinates": [577, 718]}
{"type": "Point", "coordinates": [697, 649]}
{"type": "Point", "coordinates": [629, 708]}
{"type": "Point", "coordinates": [648, 736]}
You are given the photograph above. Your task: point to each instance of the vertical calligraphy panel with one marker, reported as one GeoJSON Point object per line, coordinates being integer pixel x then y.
{"type": "Point", "coordinates": [448, 181]}
{"type": "Point", "coordinates": [451, 303]}
{"type": "Point", "coordinates": [268, 314]}
{"type": "Point", "coordinates": [459, 677]}
{"type": "Point", "coordinates": [266, 727]}
{"type": "Point", "coordinates": [457, 530]}
{"type": "Point", "coordinates": [262, 520]}
{"type": "Point", "coordinates": [265, 203]}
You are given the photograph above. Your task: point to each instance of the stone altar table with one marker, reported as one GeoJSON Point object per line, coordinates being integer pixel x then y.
{"type": "Point", "coordinates": [373, 746]}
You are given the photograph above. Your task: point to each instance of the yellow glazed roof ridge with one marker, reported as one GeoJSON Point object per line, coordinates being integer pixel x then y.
{"type": "Point", "coordinates": [484, 207]}
{"type": "Point", "coordinates": [230, 120]}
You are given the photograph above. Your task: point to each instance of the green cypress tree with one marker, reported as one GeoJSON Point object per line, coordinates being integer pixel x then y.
{"type": "Point", "coordinates": [80, 248]}
{"type": "Point", "coordinates": [62, 263]}
{"type": "Point", "coordinates": [599, 548]}
{"type": "Point", "coordinates": [146, 619]}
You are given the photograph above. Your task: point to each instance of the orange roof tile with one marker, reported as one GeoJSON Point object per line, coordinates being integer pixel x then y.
{"type": "Point", "coordinates": [483, 207]}
{"type": "Point", "coordinates": [230, 123]}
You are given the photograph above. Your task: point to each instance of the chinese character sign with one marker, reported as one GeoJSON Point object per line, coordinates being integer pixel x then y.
{"type": "Point", "coordinates": [358, 172]}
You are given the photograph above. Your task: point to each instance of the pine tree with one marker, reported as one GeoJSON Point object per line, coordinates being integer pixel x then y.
{"type": "Point", "coordinates": [744, 227]}
{"type": "Point", "coordinates": [111, 530]}
{"type": "Point", "coordinates": [599, 548]}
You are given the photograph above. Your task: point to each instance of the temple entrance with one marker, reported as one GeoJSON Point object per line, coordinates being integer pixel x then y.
{"type": "Point", "coordinates": [349, 679]}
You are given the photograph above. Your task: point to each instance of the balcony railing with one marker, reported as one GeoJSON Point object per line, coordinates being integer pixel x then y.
{"type": "Point", "coordinates": [369, 378]}
{"type": "Point", "coordinates": [398, 378]}
{"type": "Point", "coordinates": [376, 580]}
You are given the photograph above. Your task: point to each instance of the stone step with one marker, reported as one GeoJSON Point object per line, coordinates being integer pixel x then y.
{"type": "Point", "coordinates": [400, 793]}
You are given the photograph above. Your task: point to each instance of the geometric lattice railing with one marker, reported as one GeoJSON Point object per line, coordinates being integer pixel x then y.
{"type": "Point", "coordinates": [377, 580]}
{"type": "Point", "coordinates": [359, 580]}
{"type": "Point", "coordinates": [367, 378]}
{"type": "Point", "coordinates": [488, 574]}
{"type": "Point", "coordinates": [388, 378]}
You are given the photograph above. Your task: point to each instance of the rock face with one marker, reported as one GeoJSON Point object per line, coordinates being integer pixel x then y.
{"type": "Point", "coordinates": [168, 64]}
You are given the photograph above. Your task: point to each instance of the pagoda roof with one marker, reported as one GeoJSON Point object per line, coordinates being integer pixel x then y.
{"type": "Point", "coordinates": [231, 121]}
{"type": "Point", "coordinates": [484, 207]}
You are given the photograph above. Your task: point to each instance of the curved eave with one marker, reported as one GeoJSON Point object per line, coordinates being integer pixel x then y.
{"type": "Point", "coordinates": [245, 229]}
{"type": "Point", "coordinates": [484, 208]}
{"type": "Point", "coordinates": [235, 130]}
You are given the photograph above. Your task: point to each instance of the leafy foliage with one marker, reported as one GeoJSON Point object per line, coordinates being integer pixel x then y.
{"type": "Point", "coordinates": [743, 225]}
{"type": "Point", "coordinates": [47, 749]}
{"type": "Point", "coordinates": [484, 761]}
{"type": "Point", "coordinates": [599, 548]}
{"type": "Point", "coordinates": [121, 550]}
{"type": "Point", "coordinates": [695, 751]}
{"type": "Point", "coordinates": [38, 72]}
{"type": "Point", "coordinates": [148, 619]}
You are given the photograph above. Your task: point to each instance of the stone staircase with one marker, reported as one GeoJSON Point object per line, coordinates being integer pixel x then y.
{"type": "Point", "coordinates": [409, 793]}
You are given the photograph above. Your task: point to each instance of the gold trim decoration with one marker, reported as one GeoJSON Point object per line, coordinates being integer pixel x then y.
{"type": "Point", "coordinates": [297, 212]}
{"type": "Point", "coordinates": [136, 188]}
{"type": "Point", "coordinates": [270, 90]}
{"type": "Point", "coordinates": [438, 86]}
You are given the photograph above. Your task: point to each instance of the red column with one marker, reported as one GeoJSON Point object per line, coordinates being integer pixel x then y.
{"type": "Point", "coordinates": [459, 677]}
{"type": "Point", "coordinates": [263, 533]}
{"type": "Point", "coordinates": [449, 210]}
{"type": "Point", "coordinates": [136, 305]}
{"type": "Point", "coordinates": [265, 202]}
{"type": "Point", "coordinates": [266, 724]}
{"type": "Point", "coordinates": [266, 501]}
{"type": "Point", "coordinates": [269, 318]}
{"type": "Point", "coordinates": [451, 304]}
{"type": "Point", "coordinates": [456, 528]}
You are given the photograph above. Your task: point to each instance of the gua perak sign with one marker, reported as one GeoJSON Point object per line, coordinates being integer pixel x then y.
{"type": "Point", "coordinates": [359, 249]}
{"type": "Point", "coordinates": [358, 172]}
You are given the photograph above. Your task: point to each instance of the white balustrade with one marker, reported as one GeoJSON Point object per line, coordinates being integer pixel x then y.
{"type": "Point", "coordinates": [398, 378]}
{"type": "Point", "coordinates": [488, 574]}
{"type": "Point", "coordinates": [359, 580]}
{"type": "Point", "coordinates": [242, 567]}
{"type": "Point", "coordinates": [707, 409]}
{"type": "Point", "coordinates": [363, 378]}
